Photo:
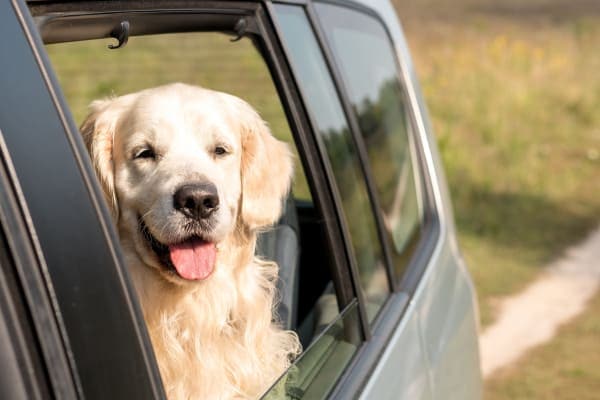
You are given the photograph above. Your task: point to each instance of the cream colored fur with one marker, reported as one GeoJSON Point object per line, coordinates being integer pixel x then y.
{"type": "Point", "coordinates": [213, 339]}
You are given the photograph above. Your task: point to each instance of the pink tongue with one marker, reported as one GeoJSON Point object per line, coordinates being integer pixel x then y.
{"type": "Point", "coordinates": [193, 259]}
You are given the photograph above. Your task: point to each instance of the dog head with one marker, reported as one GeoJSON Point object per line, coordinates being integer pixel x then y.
{"type": "Point", "coordinates": [182, 168]}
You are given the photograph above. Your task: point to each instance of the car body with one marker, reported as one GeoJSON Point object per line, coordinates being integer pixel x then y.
{"type": "Point", "coordinates": [71, 325]}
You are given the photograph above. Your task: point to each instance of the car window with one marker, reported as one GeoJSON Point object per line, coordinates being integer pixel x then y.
{"type": "Point", "coordinates": [88, 70]}
{"type": "Point", "coordinates": [324, 105]}
{"type": "Point", "coordinates": [364, 54]}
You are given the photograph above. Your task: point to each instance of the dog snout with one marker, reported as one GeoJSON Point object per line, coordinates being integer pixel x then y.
{"type": "Point", "coordinates": [197, 201]}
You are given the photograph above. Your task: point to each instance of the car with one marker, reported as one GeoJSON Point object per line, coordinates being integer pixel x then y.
{"type": "Point", "coordinates": [372, 279]}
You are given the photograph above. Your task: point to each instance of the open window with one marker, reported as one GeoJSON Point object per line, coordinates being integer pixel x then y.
{"type": "Point", "coordinates": [230, 47]}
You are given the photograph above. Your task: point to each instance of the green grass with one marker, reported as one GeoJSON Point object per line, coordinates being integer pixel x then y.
{"type": "Point", "coordinates": [88, 70]}
{"type": "Point", "coordinates": [514, 104]}
{"type": "Point", "coordinates": [514, 92]}
{"type": "Point", "coordinates": [566, 368]}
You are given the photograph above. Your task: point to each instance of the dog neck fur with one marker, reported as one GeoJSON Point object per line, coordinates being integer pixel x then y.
{"type": "Point", "coordinates": [203, 333]}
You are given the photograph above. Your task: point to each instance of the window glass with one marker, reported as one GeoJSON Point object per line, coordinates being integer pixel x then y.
{"type": "Point", "coordinates": [314, 375]}
{"type": "Point", "coordinates": [365, 57]}
{"type": "Point", "coordinates": [324, 105]}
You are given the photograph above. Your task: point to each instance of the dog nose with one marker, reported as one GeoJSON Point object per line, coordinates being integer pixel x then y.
{"type": "Point", "coordinates": [196, 200]}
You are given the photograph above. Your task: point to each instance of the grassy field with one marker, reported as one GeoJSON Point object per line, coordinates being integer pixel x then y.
{"type": "Point", "coordinates": [209, 60]}
{"type": "Point", "coordinates": [565, 369]}
{"type": "Point", "coordinates": [514, 91]}
{"type": "Point", "coordinates": [514, 95]}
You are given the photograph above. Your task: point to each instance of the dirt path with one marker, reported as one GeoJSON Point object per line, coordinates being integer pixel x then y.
{"type": "Point", "coordinates": [531, 317]}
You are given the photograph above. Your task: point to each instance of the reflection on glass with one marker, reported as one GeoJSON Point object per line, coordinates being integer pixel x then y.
{"type": "Point", "coordinates": [325, 107]}
{"type": "Point", "coordinates": [365, 57]}
{"type": "Point", "coordinates": [314, 375]}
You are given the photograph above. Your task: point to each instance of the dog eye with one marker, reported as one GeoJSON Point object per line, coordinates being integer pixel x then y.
{"type": "Point", "coordinates": [145, 153]}
{"type": "Point", "coordinates": [220, 150]}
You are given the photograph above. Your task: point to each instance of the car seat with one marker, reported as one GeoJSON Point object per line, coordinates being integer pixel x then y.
{"type": "Point", "coordinates": [281, 244]}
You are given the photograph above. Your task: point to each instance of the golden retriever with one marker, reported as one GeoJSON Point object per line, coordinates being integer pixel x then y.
{"type": "Point", "coordinates": [191, 175]}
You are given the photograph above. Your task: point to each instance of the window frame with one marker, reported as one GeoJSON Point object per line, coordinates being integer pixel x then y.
{"type": "Point", "coordinates": [430, 223]}
{"type": "Point", "coordinates": [430, 227]}
{"type": "Point", "coordinates": [122, 343]}
{"type": "Point", "coordinates": [359, 140]}
{"type": "Point", "coordinates": [26, 308]}
{"type": "Point", "coordinates": [356, 138]}
{"type": "Point", "coordinates": [335, 200]}
{"type": "Point", "coordinates": [392, 312]}
{"type": "Point", "coordinates": [312, 156]}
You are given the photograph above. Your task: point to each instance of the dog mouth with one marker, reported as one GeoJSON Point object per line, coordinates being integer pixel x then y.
{"type": "Point", "coordinates": [191, 259]}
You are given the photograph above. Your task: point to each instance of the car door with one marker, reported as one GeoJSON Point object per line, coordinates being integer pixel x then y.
{"type": "Point", "coordinates": [84, 317]}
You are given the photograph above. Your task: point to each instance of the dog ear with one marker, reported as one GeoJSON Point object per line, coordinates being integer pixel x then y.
{"type": "Point", "coordinates": [98, 131]}
{"type": "Point", "coordinates": [266, 172]}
